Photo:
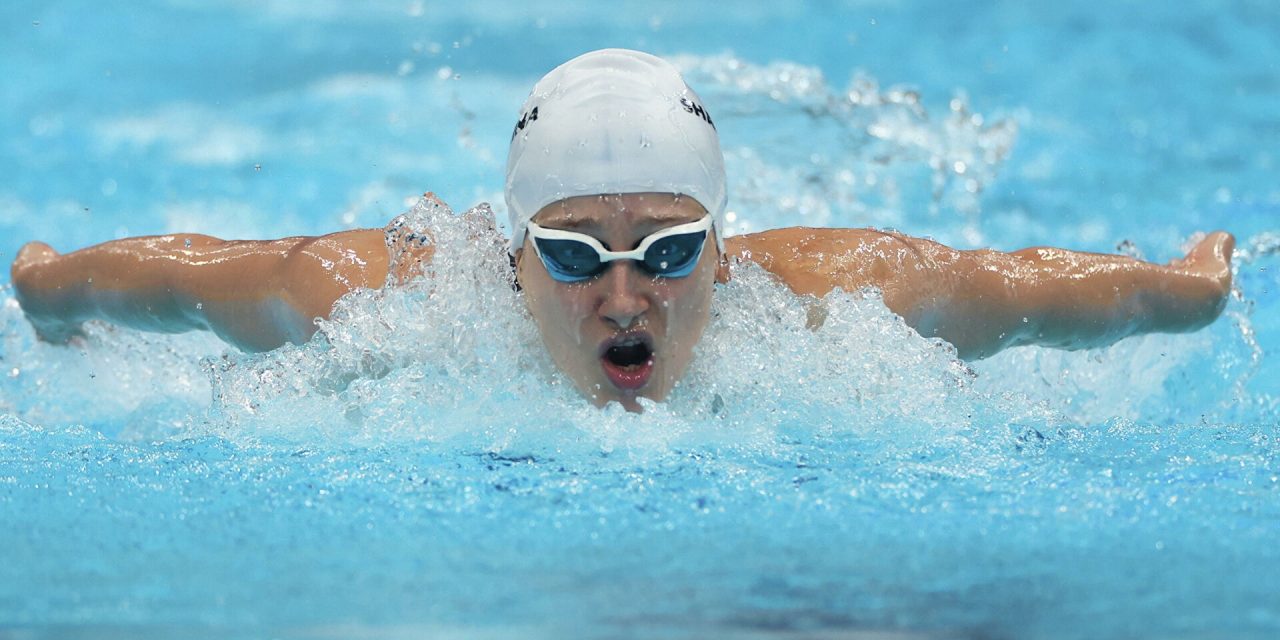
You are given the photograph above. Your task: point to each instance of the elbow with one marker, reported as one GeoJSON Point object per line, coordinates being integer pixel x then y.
{"type": "Point", "coordinates": [967, 329]}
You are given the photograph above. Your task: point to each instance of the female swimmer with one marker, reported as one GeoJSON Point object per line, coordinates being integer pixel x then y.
{"type": "Point", "coordinates": [616, 191]}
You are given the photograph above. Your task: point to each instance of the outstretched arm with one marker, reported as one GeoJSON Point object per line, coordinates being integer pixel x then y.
{"type": "Point", "coordinates": [256, 295]}
{"type": "Point", "coordinates": [984, 301]}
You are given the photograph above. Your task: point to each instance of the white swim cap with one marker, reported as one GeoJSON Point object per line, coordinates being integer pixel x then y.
{"type": "Point", "coordinates": [612, 121]}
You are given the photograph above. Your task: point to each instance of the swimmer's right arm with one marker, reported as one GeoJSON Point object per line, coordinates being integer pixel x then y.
{"type": "Point", "coordinates": [983, 301]}
{"type": "Point", "coordinates": [256, 295]}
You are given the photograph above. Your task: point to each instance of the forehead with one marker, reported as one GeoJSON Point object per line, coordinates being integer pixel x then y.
{"type": "Point", "coordinates": [631, 209]}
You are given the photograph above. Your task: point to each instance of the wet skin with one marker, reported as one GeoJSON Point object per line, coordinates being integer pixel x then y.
{"type": "Point", "coordinates": [259, 295]}
{"type": "Point", "coordinates": [579, 320]}
{"type": "Point", "coordinates": [984, 301]}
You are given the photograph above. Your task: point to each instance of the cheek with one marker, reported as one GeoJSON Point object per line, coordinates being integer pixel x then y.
{"type": "Point", "coordinates": [539, 296]}
{"type": "Point", "coordinates": [558, 310]}
{"type": "Point", "coordinates": [572, 310]}
{"type": "Point", "coordinates": [688, 304]}
{"type": "Point", "coordinates": [700, 290]}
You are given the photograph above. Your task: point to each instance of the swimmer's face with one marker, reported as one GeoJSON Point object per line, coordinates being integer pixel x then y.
{"type": "Point", "coordinates": [623, 334]}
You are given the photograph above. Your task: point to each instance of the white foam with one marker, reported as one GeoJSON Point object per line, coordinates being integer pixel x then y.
{"type": "Point", "coordinates": [453, 356]}
{"type": "Point", "coordinates": [868, 150]}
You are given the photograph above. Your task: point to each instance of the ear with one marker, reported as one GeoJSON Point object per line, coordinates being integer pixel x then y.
{"type": "Point", "coordinates": [722, 268]}
{"type": "Point", "coordinates": [515, 266]}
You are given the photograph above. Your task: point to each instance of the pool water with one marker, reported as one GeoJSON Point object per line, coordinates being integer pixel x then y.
{"type": "Point", "coordinates": [420, 469]}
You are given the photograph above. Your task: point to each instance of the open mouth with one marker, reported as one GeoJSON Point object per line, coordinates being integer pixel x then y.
{"type": "Point", "coordinates": [628, 360]}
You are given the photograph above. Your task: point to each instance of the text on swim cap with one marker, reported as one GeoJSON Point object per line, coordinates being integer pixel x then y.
{"type": "Point", "coordinates": [697, 110]}
{"type": "Point", "coordinates": [524, 121]}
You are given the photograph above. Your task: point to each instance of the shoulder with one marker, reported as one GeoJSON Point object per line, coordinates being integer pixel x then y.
{"type": "Point", "coordinates": [806, 259]}
{"type": "Point", "coordinates": [815, 260]}
{"type": "Point", "coordinates": [797, 243]}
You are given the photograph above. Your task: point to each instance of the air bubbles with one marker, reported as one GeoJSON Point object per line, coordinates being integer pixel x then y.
{"type": "Point", "coordinates": [444, 73]}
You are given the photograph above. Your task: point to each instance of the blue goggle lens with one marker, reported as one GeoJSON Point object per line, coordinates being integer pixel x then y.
{"type": "Point", "coordinates": [569, 259]}
{"type": "Point", "coordinates": [674, 256]}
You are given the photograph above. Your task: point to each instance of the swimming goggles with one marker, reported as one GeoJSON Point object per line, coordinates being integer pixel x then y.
{"type": "Point", "coordinates": [573, 257]}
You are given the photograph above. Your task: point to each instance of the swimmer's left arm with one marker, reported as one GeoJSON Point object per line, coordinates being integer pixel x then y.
{"type": "Point", "coordinates": [984, 301]}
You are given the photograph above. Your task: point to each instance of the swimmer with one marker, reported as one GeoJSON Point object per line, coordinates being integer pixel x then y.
{"type": "Point", "coordinates": [616, 192]}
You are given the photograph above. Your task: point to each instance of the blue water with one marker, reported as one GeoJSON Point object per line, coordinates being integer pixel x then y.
{"type": "Point", "coordinates": [421, 470]}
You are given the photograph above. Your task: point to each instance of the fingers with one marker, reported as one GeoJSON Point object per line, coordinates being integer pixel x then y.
{"type": "Point", "coordinates": [1211, 258]}
{"type": "Point", "coordinates": [1224, 244]}
{"type": "Point", "coordinates": [32, 253]}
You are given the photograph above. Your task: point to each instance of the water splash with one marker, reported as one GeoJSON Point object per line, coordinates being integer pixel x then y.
{"type": "Point", "coordinates": [1262, 245]}
{"type": "Point", "coordinates": [1256, 249]}
{"type": "Point", "coordinates": [421, 360]}
{"type": "Point", "coordinates": [452, 356]}
{"type": "Point", "coordinates": [1164, 379]}
{"type": "Point", "coordinates": [126, 384]}
{"type": "Point", "coordinates": [866, 150]}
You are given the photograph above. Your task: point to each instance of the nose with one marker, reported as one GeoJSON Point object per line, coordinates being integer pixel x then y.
{"type": "Point", "coordinates": [623, 300]}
